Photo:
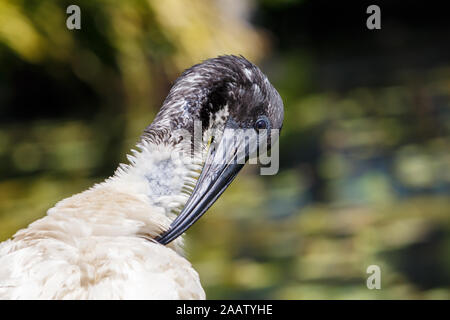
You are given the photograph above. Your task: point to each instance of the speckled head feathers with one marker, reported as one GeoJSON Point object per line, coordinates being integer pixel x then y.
{"type": "Point", "coordinates": [205, 89]}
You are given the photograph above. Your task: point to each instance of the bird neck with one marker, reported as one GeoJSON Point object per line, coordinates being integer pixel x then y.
{"type": "Point", "coordinates": [140, 200]}
{"type": "Point", "coordinates": [160, 174]}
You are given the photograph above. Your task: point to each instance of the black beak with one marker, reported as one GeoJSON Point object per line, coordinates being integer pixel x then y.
{"type": "Point", "coordinates": [218, 172]}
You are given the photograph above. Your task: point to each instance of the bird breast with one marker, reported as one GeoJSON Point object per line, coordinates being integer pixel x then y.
{"type": "Point", "coordinates": [96, 245]}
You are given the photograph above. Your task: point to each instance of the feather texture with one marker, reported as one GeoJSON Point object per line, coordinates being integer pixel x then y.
{"type": "Point", "coordinates": [99, 244]}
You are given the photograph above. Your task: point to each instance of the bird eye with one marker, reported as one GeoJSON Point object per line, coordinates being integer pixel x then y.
{"type": "Point", "coordinates": [261, 124]}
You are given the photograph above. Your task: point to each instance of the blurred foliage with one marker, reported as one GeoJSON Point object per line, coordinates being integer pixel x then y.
{"type": "Point", "coordinates": [365, 163]}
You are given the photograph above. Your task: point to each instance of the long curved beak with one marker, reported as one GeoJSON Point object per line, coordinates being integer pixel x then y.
{"type": "Point", "coordinates": [220, 169]}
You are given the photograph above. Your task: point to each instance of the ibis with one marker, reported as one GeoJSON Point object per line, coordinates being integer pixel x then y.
{"type": "Point", "coordinates": [122, 238]}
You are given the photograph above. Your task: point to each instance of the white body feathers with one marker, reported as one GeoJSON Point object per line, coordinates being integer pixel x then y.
{"type": "Point", "coordinates": [99, 244]}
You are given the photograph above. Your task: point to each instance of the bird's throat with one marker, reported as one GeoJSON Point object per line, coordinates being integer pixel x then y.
{"type": "Point", "coordinates": [163, 175]}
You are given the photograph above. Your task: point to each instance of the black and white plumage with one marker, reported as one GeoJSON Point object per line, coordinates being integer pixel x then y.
{"type": "Point", "coordinates": [121, 238]}
{"type": "Point", "coordinates": [207, 88]}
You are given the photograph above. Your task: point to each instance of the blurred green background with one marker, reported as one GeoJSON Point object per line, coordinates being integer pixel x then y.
{"type": "Point", "coordinates": [364, 151]}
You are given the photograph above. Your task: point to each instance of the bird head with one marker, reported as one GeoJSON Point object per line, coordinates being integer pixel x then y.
{"type": "Point", "coordinates": [224, 109]}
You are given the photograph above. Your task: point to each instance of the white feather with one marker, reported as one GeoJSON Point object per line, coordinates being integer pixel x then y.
{"type": "Point", "coordinates": [99, 244]}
